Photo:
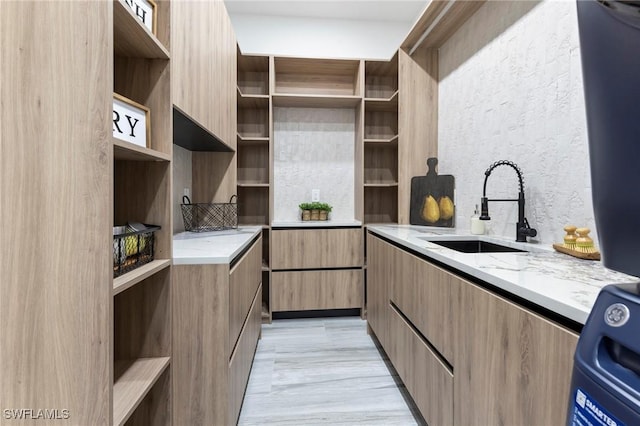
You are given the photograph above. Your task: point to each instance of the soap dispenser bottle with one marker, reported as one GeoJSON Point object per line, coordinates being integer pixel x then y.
{"type": "Point", "coordinates": [477, 225]}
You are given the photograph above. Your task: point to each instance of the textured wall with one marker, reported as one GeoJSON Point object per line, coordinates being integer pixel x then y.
{"type": "Point", "coordinates": [181, 179]}
{"type": "Point", "coordinates": [313, 149]}
{"type": "Point", "coordinates": [511, 88]}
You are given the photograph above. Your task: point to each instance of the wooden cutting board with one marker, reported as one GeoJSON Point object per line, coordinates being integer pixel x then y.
{"type": "Point", "coordinates": [434, 185]}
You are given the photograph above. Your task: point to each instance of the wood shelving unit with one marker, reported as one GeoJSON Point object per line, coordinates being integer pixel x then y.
{"type": "Point", "coordinates": [315, 101]}
{"type": "Point", "coordinates": [132, 382]}
{"type": "Point", "coordinates": [133, 39]}
{"type": "Point", "coordinates": [132, 278]}
{"type": "Point", "coordinates": [381, 141]}
{"type": "Point", "coordinates": [254, 155]}
{"type": "Point", "coordinates": [142, 193]}
{"type": "Point", "coordinates": [123, 150]}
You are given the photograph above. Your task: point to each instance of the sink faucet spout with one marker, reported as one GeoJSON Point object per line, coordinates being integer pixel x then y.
{"type": "Point", "coordinates": [523, 230]}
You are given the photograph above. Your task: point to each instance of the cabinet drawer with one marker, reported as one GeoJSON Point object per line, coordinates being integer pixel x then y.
{"type": "Point", "coordinates": [316, 248]}
{"type": "Point", "coordinates": [427, 296]}
{"type": "Point", "coordinates": [244, 279]}
{"type": "Point", "coordinates": [307, 290]}
{"type": "Point", "coordinates": [242, 357]}
{"type": "Point", "coordinates": [425, 376]}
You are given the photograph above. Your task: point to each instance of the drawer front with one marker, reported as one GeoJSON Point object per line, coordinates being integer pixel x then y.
{"type": "Point", "coordinates": [244, 279]}
{"type": "Point", "coordinates": [427, 379]}
{"type": "Point", "coordinates": [316, 248]}
{"type": "Point", "coordinates": [242, 357]}
{"type": "Point", "coordinates": [427, 296]}
{"type": "Point", "coordinates": [308, 290]}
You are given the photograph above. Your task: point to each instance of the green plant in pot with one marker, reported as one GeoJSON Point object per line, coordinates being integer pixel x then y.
{"type": "Point", "coordinates": [324, 209]}
{"type": "Point", "coordinates": [315, 211]}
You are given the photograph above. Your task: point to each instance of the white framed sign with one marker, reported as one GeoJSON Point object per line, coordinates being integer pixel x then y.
{"type": "Point", "coordinates": [145, 10]}
{"type": "Point", "coordinates": [130, 121]}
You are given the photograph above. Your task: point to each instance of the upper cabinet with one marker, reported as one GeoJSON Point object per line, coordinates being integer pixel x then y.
{"type": "Point", "coordinates": [204, 74]}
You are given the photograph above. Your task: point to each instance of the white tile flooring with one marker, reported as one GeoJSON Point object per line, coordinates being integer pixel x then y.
{"type": "Point", "coordinates": [323, 371]}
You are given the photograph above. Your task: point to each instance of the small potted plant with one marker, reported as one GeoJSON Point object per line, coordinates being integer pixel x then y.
{"type": "Point", "coordinates": [325, 209]}
{"type": "Point", "coordinates": [306, 211]}
{"type": "Point", "coordinates": [315, 211]}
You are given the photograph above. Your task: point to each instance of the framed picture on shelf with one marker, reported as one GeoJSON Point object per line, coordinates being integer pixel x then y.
{"type": "Point", "coordinates": [145, 11]}
{"type": "Point", "coordinates": [131, 121]}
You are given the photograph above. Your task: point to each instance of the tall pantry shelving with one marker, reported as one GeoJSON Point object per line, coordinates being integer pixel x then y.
{"type": "Point", "coordinates": [253, 150]}
{"type": "Point", "coordinates": [381, 141]}
{"type": "Point", "coordinates": [142, 193]}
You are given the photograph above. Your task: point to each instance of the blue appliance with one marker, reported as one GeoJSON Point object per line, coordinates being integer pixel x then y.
{"type": "Point", "coordinates": [605, 385]}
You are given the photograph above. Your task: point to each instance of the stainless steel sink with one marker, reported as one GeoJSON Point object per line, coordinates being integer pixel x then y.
{"type": "Point", "coordinates": [476, 246]}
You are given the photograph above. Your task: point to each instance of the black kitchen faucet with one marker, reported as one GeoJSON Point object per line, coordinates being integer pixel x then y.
{"type": "Point", "coordinates": [523, 230]}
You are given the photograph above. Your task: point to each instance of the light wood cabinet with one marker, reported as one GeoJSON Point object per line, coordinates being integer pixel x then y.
{"type": "Point", "coordinates": [427, 296]}
{"type": "Point", "coordinates": [141, 298]}
{"type": "Point", "coordinates": [106, 339]}
{"type": "Point", "coordinates": [380, 275]}
{"type": "Point", "coordinates": [512, 366]}
{"type": "Point", "coordinates": [428, 379]}
{"type": "Point", "coordinates": [204, 66]}
{"type": "Point", "coordinates": [316, 248]}
{"type": "Point", "coordinates": [313, 290]}
{"type": "Point", "coordinates": [467, 355]}
{"type": "Point", "coordinates": [216, 310]}
{"type": "Point", "coordinates": [316, 269]}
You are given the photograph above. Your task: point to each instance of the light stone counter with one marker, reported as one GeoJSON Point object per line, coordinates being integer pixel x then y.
{"type": "Point", "coordinates": [201, 248]}
{"type": "Point", "coordinates": [563, 284]}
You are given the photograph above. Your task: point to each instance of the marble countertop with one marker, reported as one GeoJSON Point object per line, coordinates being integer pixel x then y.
{"type": "Point", "coordinates": [556, 281]}
{"type": "Point", "coordinates": [201, 248]}
{"type": "Point", "coordinates": [315, 223]}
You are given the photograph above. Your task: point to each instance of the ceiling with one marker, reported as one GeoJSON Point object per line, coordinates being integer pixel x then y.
{"type": "Point", "coordinates": [406, 11]}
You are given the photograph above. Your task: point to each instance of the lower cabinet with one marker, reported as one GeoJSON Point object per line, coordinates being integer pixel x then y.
{"type": "Point", "coordinates": [216, 325]}
{"type": "Point", "coordinates": [466, 355]}
{"type": "Point", "coordinates": [512, 366]}
{"type": "Point", "coordinates": [310, 290]}
{"type": "Point", "coordinates": [316, 269]}
{"type": "Point", "coordinates": [428, 379]}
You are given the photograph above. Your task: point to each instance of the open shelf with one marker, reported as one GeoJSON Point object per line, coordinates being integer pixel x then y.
{"type": "Point", "coordinates": [253, 123]}
{"type": "Point", "coordinates": [253, 164]}
{"type": "Point", "coordinates": [253, 205]}
{"type": "Point", "coordinates": [123, 150]}
{"type": "Point", "coordinates": [390, 140]}
{"type": "Point", "coordinates": [380, 124]}
{"type": "Point", "coordinates": [337, 77]}
{"type": "Point", "coordinates": [380, 163]}
{"type": "Point", "coordinates": [132, 278]}
{"type": "Point", "coordinates": [253, 75]}
{"type": "Point", "coordinates": [133, 379]}
{"type": "Point", "coordinates": [380, 184]}
{"type": "Point", "coordinates": [382, 104]}
{"type": "Point", "coordinates": [381, 78]}
{"type": "Point", "coordinates": [242, 140]}
{"type": "Point", "coordinates": [381, 204]}
{"type": "Point", "coordinates": [252, 184]}
{"type": "Point", "coordinates": [252, 101]}
{"type": "Point", "coordinates": [131, 38]}
{"type": "Point", "coordinates": [315, 101]}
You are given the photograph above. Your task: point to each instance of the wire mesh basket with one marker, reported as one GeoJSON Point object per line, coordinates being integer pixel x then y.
{"type": "Point", "coordinates": [204, 217]}
{"type": "Point", "coordinates": [132, 247]}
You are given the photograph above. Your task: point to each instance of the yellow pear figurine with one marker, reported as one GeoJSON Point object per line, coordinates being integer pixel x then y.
{"type": "Point", "coordinates": [446, 208]}
{"type": "Point", "coordinates": [430, 210]}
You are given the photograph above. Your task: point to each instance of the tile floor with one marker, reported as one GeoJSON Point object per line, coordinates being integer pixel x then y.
{"type": "Point", "coordinates": [323, 371]}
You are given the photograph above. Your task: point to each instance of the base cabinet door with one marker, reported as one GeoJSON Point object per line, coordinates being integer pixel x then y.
{"type": "Point", "coordinates": [242, 357]}
{"type": "Point", "coordinates": [380, 268]}
{"type": "Point", "coordinates": [311, 290]}
{"type": "Point", "coordinates": [512, 366]}
{"type": "Point", "coordinates": [427, 378]}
